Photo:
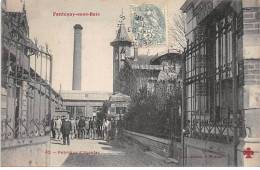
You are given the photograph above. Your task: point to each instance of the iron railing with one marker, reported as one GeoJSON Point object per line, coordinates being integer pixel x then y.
{"type": "Point", "coordinates": [26, 92]}
{"type": "Point", "coordinates": [209, 76]}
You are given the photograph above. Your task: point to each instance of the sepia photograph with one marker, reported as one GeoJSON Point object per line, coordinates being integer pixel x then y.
{"type": "Point", "coordinates": [130, 83]}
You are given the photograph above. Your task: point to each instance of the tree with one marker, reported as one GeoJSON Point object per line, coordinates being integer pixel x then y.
{"type": "Point", "coordinates": [127, 80]}
{"type": "Point", "coordinates": [177, 31]}
{"type": "Point", "coordinates": [124, 80]}
{"type": "Point", "coordinates": [151, 113]}
{"type": "Point", "coordinates": [102, 113]}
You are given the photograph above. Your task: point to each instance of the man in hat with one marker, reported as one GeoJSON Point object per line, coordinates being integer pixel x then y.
{"type": "Point", "coordinates": [86, 128]}
{"type": "Point", "coordinates": [77, 128]}
{"type": "Point", "coordinates": [74, 128]}
{"type": "Point", "coordinates": [66, 129]}
{"type": "Point", "coordinates": [94, 128]}
{"type": "Point", "coordinates": [57, 126]}
{"type": "Point", "coordinates": [52, 127]}
{"type": "Point", "coordinates": [81, 127]}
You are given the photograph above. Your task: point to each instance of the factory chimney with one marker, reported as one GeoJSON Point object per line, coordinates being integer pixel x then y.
{"type": "Point", "coordinates": [76, 83]}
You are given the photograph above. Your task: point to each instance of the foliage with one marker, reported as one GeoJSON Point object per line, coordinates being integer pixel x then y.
{"type": "Point", "coordinates": [151, 113]}
{"type": "Point", "coordinates": [123, 80]}
{"type": "Point", "coordinates": [103, 113]}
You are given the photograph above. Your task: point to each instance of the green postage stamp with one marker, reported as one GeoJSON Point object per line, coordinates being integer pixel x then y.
{"type": "Point", "coordinates": [148, 23]}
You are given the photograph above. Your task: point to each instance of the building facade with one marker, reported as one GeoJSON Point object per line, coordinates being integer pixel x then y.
{"type": "Point", "coordinates": [221, 83]}
{"type": "Point", "coordinates": [27, 97]}
{"type": "Point", "coordinates": [118, 105]}
{"type": "Point", "coordinates": [146, 79]}
{"type": "Point", "coordinates": [134, 72]}
{"type": "Point", "coordinates": [80, 103]}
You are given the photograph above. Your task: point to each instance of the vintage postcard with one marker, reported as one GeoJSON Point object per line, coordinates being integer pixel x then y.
{"type": "Point", "coordinates": [130, 83]}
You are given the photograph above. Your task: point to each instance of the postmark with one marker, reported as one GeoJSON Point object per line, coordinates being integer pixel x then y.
{"type": "Point", "coordinates": [148, 24]}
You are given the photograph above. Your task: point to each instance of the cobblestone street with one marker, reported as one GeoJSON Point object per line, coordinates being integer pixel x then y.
{"type": "Point", "coordinates": [110, 153]}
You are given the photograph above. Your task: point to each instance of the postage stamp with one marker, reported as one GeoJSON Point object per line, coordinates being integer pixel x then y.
{"type": "Point", "coordinates": [148, 23]}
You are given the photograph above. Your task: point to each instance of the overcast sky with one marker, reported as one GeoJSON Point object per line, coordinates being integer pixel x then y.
{"type": "Point", "coordinates": [97, 33]}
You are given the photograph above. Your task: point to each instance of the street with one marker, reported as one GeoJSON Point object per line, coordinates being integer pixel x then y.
{"type": "Point", "coordinates": [112, 153]}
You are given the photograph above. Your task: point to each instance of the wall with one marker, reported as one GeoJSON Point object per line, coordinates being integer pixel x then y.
{"type": "Point", "coordinates": [196, 152]}
{"type": "Point", "coordinates": [248, 47]}
{"type": "Point", "coordinates": [206, 153]}
{"type": "Point", "coordinates": [250, 92]}
{"type": "Point", "coordinates": [87, 104]}
{"type": "Point", "coordinates": [25, 152]}
{"type": "Point", "coordinates": [155, 144]}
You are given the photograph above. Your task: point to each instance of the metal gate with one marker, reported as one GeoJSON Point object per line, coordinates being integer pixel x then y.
{"type": "Point", "coordinates": [26, 83]}
{"type": "Point", "coordinates": [210, 77]}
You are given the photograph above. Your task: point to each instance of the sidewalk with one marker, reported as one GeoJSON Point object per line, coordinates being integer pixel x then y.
{"type": "Point", "coordinates": [149, 158]}
{"type": "Point", "coordinates": [100, 153]}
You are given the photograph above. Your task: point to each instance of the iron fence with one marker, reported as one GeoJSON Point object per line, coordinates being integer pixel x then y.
{"type": "Point", "coordinates": [26, 82]}
{"type": "Point", "coordinates": [210, 80]}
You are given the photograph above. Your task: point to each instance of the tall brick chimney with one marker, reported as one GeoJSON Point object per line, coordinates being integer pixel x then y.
{"type": "Point", "coordinates": [76, 83]}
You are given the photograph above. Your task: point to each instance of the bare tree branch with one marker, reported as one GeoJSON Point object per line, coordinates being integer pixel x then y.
{"type": "Point", "coordinates": [177, 31]}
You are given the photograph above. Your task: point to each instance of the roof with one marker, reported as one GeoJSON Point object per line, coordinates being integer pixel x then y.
{"type": "Point", "coordinates": [143, 63]}
{"type": "Point", "coordinates": [169, 54]}
{"type": "Point", "coordinates": [187, 4]}
{"type": "Point", "coordinates": [19, 19]}
{"type": "Point", "coordinates": [81, 95]}
{"type": "Point", "coordinates": [122, 37]}
{"type": "Point", "coordinates": [119, 97]}
{"type": "Point", "coordinates": [142, 59]}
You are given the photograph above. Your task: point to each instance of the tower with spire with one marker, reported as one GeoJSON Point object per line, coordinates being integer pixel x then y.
{"type": "Point", "coordinates": [24, 6]}
{"type": "Point", "coordinates": [121, 49]}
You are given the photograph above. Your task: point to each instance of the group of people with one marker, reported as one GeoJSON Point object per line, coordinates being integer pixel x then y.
{"type": "Point", "coordinates": [61, 128]}
{"type": "Point", "coordinates": [83, 128]}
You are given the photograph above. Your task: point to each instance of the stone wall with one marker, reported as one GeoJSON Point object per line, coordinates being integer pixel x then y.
{"type": "Point", "coordinates": [251, 90]}
{"type": "Point", "coordinates": [251, 44]}
{"type": "Point", "coordinates": [25, 152]}
{"type": "Point", "coordinates": [206, 153]}
{"type": "Point", "coordinates": [155, 144]}
{"type": "Point", "coordinates": [252, 71]}
{"type": "Point", "coordinates": [251, 20]}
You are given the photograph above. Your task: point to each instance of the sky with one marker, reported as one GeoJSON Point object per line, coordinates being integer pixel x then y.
{"type": "Point", "coordinates": [97, 33]}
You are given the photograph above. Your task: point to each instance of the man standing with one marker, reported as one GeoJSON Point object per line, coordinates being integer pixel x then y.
{"type": "Point", "coordinates": [73, 125]}
{"type": "Point", "coordinates": [107, 130]}
{"type": "Point", "coordinates": [77, 127]}
{"type": "Point", "coordinates": [102, 128]}
{"type": "Point", "coordinates": [86, 128]}
{"type": "Point", "coordinates": [81, 127]}
{"type": "Point", "coordinates": [90, 128]}
{"type": "Point", "coordinates": [94, 128]}
{"type": "Point", "coordinates": [113, 129]}
{"type": "Point", "coordinates": [99, 128]}
{"type": "Point", "coordinates": [52, 127]}
{"type": "Point", "coordinates": [66, 129]}
{"type": "Point", "coordinates": [57, 125]}
{"type": "Point", "coordinates": [63, 119]}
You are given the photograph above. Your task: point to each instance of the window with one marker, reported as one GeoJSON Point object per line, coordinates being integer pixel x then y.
{"type": "Point", "coordinates": [120, 110]}
{"type": "Point", "coordinates": [95, 109]}
{"type": "Point", "coordinates": [208, 81]}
